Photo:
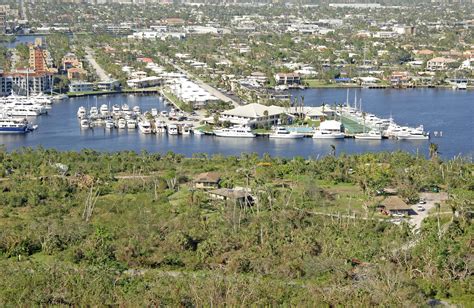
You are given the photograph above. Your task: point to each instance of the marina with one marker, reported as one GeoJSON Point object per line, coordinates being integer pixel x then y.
{"type": "Point", "coordinates": [66, 128]}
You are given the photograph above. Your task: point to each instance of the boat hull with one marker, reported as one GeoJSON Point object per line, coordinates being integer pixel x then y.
{"type": "Point", "coordinates": [278, 136]}
{"type": "Point", "coordinates": [13, 130]}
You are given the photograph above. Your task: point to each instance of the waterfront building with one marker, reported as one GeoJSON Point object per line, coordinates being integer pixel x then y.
{"type": "Point", "coordinates": [439, 64]}
{"type": "Point", "coordinates": [5, 84]}
{"type": "Point", "coordinates": [253, 115]}
{"type": "Point", "coordinates": [81, 86]}
{"type": "Point", "coordinates": [30, 82]}
{"type": "Point", "coordinates": [144, 82]}
{"type": "Point", "coordinates": [108, 85]}
{"type": "Point", "coordinates": [287, 78]}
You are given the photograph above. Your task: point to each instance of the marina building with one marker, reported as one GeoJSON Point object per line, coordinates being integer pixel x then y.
{"type": "Point", "coordinates": [253, 115]}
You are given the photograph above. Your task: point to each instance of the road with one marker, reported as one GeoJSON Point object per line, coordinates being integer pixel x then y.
{"type": "Point", "coordinates": [202, 84]}
{"type": "Point", "coordinates": [431, 200]}
{"type": "Point", "coordinates": [101, 73]}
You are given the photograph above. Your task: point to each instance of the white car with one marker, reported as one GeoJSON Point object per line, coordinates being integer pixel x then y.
{"type": "Point", "coordinates": [420, 208]}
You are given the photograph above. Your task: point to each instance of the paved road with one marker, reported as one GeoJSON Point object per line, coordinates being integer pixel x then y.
{"type": "Point", "coordinates": [103, 76]}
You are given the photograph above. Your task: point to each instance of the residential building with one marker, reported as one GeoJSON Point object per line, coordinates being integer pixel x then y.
{"type": "Point", "coordinates": [145, 82]}
{"type": "Point", "coordinates": [439, 64]}
{"type": "Point", "coordinates": [207, 180]}
{"type": "Point", "coordinates": [81, 86]}
{"type": "Point", "coordinates": [3, 19]}
{"type": "Point", "coordinates": [108, 85]}
{"type": "Point", "coordinates": [394, 205]}
{"type": "Point", "coordinates": [76, 73]}
{"type": "Point", "coordinates": [238, 197]}
{"type": "Point", "coordinates": [253, 115]}
{"type": "Point", "coordinates": [287, 78]}
{"type": "Point", "coordinates": [70, 60]}
{"type": "Point", "coordinates": [5, 84]}
{"type": "Point", "coordinates": [31, 82]}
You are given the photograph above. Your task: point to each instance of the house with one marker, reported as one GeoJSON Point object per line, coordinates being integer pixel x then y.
{"type": "Point", "coordinates": [79, 86]}
{"type": "Point", "coordinates": [76, 73]}
{"type": "Point", "coordinates": [109, 85]}
{"type": "Point", "coordinates": [207, 180]}
{"type": "Point", "coordinates": [394, 205]}
{"type": "Point", "coordinates": [287, 78]}
{"type": "Point", "coordinates": [253, 115]}
{"type": "Point", "coordinates": [438, 64]}
{"type": "Point", "coordinates": [239, 197]}
{"type": "Point", "coordinates": [145, 82]}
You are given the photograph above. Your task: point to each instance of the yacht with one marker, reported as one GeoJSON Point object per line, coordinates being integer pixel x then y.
{"type": "Point", "coordinates": [115, 108]}
{"type": "Point", "coordinates": [109, 124]}
{"type": "Point", "coordinates": [94, 112]}
{"type": "Point", "coordinates": [414, 134]}
{"type": "Point", "coordinates": [81, 112]}
{"type": "Point", "coordinates": [186, 130]}
{"type": "Point", "coordinates": [283, 133]}
{"type": "Point", "coordinates": [323, 134]}
{"type": "Point", "coordinates": [371, 135]}
{"type": "Point", "coordinates": [13, 126]}
{"type": "Point", "coordinates": [173, 129]}
{"type": "Point", "coordinates": [145, 127]}
{"type": "Point", "coordinates": [125, 108]}
{"type": "Point", "coordinates": [85, 123]}
{"type": "Point", "coordinates": [104, 110]}
{"type": "Point", "coordinates": [329, 130]}
{"type": "Point", "coordinates": [164, 113]}
{"type": "Point", "coordinates": [131, 124]}
{"type": "Point", "coordinates": [235, 132]}
{"type": "Point", "coordinates": [160, 126]}
{"type": "Point", "coordinates": [154, 112]}
{"type": "Point", "coordinates": [136, 109]}
{"type": "Point", "coordinates": [22, 111]}
{"type": "Point", "coordinates": [198, 132]}
{"type": "Point", "coordinates": [122, 123]}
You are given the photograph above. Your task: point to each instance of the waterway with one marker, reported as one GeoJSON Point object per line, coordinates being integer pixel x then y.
{"type": "Point", "coordinates": [451, 112]}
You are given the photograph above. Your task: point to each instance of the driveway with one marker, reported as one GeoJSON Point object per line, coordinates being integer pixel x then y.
{"type": "Point", "coordinates": [431, 200]}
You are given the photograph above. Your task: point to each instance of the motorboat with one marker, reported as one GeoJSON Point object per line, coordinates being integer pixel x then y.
{"type": "Point", "coordinates": [414, 134]}
{"type": "Point", "coordinates": [144, 126]}
{"type": "Point", "coordinates": [22, 111]}
{"type": "Point", "coordinates": [81, 112]}
{"type": "Point", "coordinates": [160, 127]}
{"type": "Point", "coordinates": [235, 132]}
{"type": "Point", "coordinates": [115, 109]}
{"type": "Point", "coordinates": [164, 113]}
{"type": "Point", "coordinates": [125, 108]}
{"type": "Point", "coordinates": [371, 135]}
{"type": "Point", "coordinates": [121, 123]}
{"type": "Point", "coordinates": [136, 109]}
{"type": "Point", "coordinates": [198, 132]}
{"type": "Point", "coordinates": [173, 129]}
{"type": "Point", "coordinates": [283, 133]}
{"type": "Point", "coordinates": [85, 123]}
{"type": "Point", "coordinates": [154, 112]}
{"type": "Point", "coordinates": [186, 130]}
{"type": "Point", "coordinates": [329, 130]}
{"type": "Point", "coordinates": [323, 134]}
{"type": "Point", "coordinates": [104, 109]}
{"type": "Point", "coordinates": [94, 112]}
{"type": "Point", "coordinates": [109, 124]}
{"type": "Point", "coordinates": [131, 123]}
{"type": "Point", "coordinates": [13, 126]}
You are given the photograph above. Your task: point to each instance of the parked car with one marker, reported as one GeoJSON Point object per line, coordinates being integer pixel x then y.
{"type": "Point", "coordinates": [420, 208]}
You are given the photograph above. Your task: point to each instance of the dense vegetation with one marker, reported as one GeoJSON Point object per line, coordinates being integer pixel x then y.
{"type": "Point", "coordinates": [93, 228]}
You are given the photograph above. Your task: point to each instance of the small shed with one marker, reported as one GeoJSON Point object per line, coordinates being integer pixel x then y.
{"type": "Point", "coordinates": [395, 205]}
{"type": "Point", "coordinates": [240, 197]}
{"type": "Point", "coordinates": [207, 180]}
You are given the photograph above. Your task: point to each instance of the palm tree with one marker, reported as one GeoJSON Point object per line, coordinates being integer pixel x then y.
{"type": "Point", "coordinates": [433, 151]}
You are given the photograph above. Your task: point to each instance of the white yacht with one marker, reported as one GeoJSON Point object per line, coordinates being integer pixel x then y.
{"type": "Point", "coordinates": [144, 126]}
{"type": "Point", "coordinates": [22, 111]}
{"type": "Point", "coordinates": [81, 112]}
{"type": "Point", "coordinates": [283, 133]}
{"type": "Point", "coordinates": [414, 134]}
{"type": "Point", "coordinates": [94, 112]}
{"type": "Point", "coordinates": [186, 130]}
{"type": "Point", "coordinates": [198, 132]}
{"type": "Point", "coordinates": [109, 124]}
{"type": "Point", "coordinates": [160, 126]}
{"type": "Point", "coordinates": [121, 123]}
{"type": "Point", "coordinates": [154, 112]}
{"type": "Point", "coordinates": [116, 109]}
{"type": "Point", "coordinates": [131, 123]}
{"type": "Point", "coordinates": [13, 126]}
{"type": "Point", "coordinates": [235, 132]}
{"type": "Point", "coordinates": [85, 123]}
{"type": "Point", "coordinates": [125, 108]}
{"type": "Point", "coordinates": [329, 130]}
{"type": "Point", "coordinates": [104, 110]}
{"type": "Point", "coordinates": [164, 113]}
{"type": "Point", "coordinates": [173, 129]}
{"type": "Point", "coordinates": [371, 135]}
{"type": "Point", "coordinates": [136, 109]}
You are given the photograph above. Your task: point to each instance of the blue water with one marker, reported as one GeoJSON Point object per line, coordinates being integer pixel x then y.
{"type": "Point", "coordinates": [23, 39]}
{"type": "Point", "coordinates": [438, 110]}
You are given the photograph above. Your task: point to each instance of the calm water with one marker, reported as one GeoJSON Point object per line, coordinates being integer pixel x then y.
{"type": "Point", "coordinates": [439, 110]}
